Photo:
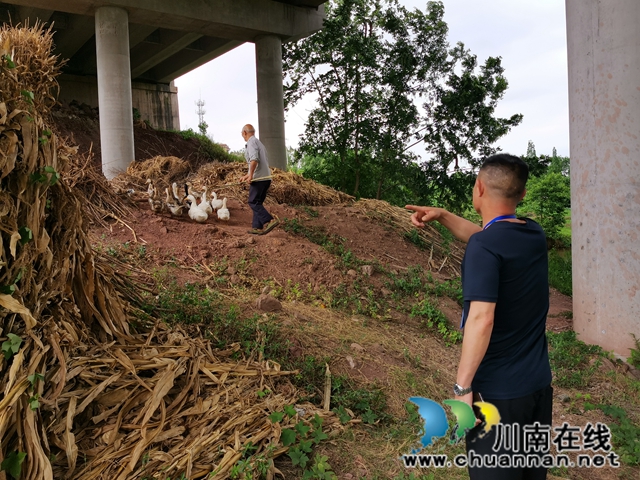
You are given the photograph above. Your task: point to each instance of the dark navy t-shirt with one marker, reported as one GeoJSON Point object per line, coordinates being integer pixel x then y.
{"type": "Point", "coordinates": [507, 264]}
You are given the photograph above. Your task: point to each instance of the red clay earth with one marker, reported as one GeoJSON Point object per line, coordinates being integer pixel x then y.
{"type": "Point", "coordinates": [280, 256]}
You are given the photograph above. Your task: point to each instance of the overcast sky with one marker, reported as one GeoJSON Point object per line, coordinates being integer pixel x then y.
{"type": "Point", "coordinates": [529, 36]}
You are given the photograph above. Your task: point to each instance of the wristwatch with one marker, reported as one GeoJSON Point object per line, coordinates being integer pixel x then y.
{"type": "Point", "coordinates": [461, 391]}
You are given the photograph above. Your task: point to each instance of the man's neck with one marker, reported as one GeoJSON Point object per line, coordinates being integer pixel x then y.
{"type": "Point", "coordinates": [490, 212]}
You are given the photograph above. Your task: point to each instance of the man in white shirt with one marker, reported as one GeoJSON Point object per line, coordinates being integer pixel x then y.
{"type": "Point", "coordinates": [259, 178]}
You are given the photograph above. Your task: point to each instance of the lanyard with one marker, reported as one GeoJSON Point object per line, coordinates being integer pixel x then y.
{"type": "Point", "coordinates": [497, 219]}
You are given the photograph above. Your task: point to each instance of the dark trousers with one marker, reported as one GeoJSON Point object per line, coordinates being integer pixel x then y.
{"type": "Point", "coordinates": [257, 194]}
{"type": "Point", "coordinates": [536, 407]}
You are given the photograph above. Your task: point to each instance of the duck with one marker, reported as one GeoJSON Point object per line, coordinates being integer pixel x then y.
{"type": "Point", "coordinates": [195, 213]}
{"type": "Point", "coordinates": [174, 190]}
{"type": "Point", "coordinates": [154, 202]}
{"type": "Point", "coordinates": [223, 213]}
{"type": "Point", "coordinates": [215, 203]}
{"type": "Point", "coordinates": [174, 208]}
{"type": "Point", "coordinates": [188, 190]}
{"type": "Point", "coordinates": [204, 204]}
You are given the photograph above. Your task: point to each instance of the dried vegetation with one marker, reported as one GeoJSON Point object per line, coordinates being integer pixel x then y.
{"type": "Point", "coordinates": [83, 396]}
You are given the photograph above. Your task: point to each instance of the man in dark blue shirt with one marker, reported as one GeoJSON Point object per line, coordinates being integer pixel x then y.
{"type": "Point", "coordinates": [505, 287]}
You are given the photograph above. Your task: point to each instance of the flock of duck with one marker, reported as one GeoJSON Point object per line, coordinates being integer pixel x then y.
{"type": "Point", "coordinates": [176, 205]}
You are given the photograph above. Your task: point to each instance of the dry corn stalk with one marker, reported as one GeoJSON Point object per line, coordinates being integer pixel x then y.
{"type": "Point", "coordinates": [442, 254]}
{"type": "Point", "coordinates": [286, 187]}
{"type": "Point", "coordinates": [82, 396]}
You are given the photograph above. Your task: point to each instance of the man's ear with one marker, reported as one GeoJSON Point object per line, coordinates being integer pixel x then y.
{"type": "Point", "coordinates": [524, 193]}
{"type": "Point", "coordinates": [480, 186]}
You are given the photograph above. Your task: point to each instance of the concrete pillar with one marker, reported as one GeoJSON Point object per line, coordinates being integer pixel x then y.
{"type": "Point", "coordinates": [114, 90]}
{"type": "Point", "coordinates": [603, 39]}
{"type": "Point", "coordinates": [271, 99]}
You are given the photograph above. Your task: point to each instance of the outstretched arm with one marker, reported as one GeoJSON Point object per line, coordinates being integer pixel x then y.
{"type": "Point", "coordinates": [461, 228]}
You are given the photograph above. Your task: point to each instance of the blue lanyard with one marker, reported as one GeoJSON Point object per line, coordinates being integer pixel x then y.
{"type": "Point", "coordinates": [501, 217]}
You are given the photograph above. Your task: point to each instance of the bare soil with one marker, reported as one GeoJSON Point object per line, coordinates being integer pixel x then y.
{"type": "Point", "coordinates": [391, 350]}
{"type": "Point", "coordinates": [384, 352]}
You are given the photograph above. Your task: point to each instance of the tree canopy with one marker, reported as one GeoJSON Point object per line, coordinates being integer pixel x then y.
{"type": "Point", "coordinates": [385, 78]}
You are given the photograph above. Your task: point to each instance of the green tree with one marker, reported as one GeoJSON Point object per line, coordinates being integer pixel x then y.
{"type": "Point", "coordinates": [385, 79]}
{"type": "Point", "coordinates": [547, 198]}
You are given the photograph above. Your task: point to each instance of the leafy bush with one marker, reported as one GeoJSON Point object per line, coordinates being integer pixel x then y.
{"type": "Point", "coordinates": [210, 148]}
{"type": "Point", "coordinates": [560, 276]}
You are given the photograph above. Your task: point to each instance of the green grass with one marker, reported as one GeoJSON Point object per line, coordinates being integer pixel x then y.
{"type": "Point", "coordinates": [626, 435]}
{"type": "Point", "coordinates": [433, 318]}
{"type": "Point", "coordinates": [223, 324]}
{"type": "Point", "coordinates": [560, 271]}
{"type": "Point", "coordinates": [570, 359]}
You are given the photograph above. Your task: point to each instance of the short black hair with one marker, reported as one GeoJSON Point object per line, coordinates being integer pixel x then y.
{"type": "Point", "coordinates": [507, 174]}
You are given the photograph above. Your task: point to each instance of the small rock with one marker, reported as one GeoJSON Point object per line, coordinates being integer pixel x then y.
{"type": "Point", "coordinates": [367, 270]}
{"type": "Point", "coordinates": [634, 372]}
{"type": "Point", "coordinates": [164, 230]}
{"type": "Point", "coordinates": [564, 398]}
{"type": "Point", "coordinates": [250, 241]}
{"type": "Point", "coordinates": [238, 244]}
{"type": "Point", "coordinates": [356, 347]}
{"type": "Point", "coordinates": [385, 292]}
{"type": "Point", "coordinates": [234, 279]}
{"type": "Point", "coordinates": [267, 303]}
{"type": "Point", "coordinates": [607, 365]}
{"type": "Point", "coordinates": [352, 273]}
{"type": "Point", "coordinates": [231, 271]}
{"type": "Point", "coordinates": [351, 361]}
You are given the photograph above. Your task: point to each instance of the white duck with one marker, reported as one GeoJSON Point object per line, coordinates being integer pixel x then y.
{"type": "Point", "coordinates": [195, 213]}
{"type": "Point", "coordinates": [204, 204]}
{"type": "Point", "coordinates": [154, 201]}
{"type": "Point", "coordinates": [215, 203]}
{"type": "Point", "coordinates": [174, 208]}
{"type": "Point", "coordinates": [223, 213]}
{"type": "Point", "coordinates": [174, 189]}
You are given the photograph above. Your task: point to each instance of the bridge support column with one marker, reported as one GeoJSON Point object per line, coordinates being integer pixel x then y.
{"type": "Point", "coordinates": [114, 90]}
{"type": "Point", "coordinates": [270, 98]}
{"type": "Point", "coordinates": [603, 39]}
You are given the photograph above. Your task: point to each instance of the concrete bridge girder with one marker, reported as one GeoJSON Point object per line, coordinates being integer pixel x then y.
{"type": "Point", "coordinates": [161, 40]}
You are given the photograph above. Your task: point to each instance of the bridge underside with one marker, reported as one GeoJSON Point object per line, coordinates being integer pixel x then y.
{"type": "Point", "coordinates": [162, 40]}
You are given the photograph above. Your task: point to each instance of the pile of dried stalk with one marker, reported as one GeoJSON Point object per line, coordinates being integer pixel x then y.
{"type": "Point", "coordinates": [443, 256]}
{"type": "Point", "coordinates": [82, 395]}
{"type": "Point", "coordinates": [223, 178]}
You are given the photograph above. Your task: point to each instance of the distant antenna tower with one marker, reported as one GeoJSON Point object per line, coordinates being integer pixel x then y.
{"type": "Point", "coordinates": [201, 111]}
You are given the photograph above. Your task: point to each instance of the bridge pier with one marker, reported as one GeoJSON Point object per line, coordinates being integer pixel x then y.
{"type": "Point", "coordinates": [114, 90]}
{"type": "Point", "coordinates": [271, 98]}
{"type": "Point", "coordinates": [603, 40]}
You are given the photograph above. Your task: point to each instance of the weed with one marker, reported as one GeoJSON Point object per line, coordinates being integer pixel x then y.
{"type": "Point", "coordinates": [414, 237]}
{"type": "Point", "coordinates": [560, 271]}
{"type": "Point", "coordinates": [407, 283]}
{"type": "Point", "coordinates": [449, 288]}
{"type": "Point", "coordinates": [434, 318]}
{"type": "Point", "coordinates": [196, 304]}
{"type": "Point", "coordinates": [625, 434]}
{"type": "Point", "coordinates": [569, 358]}
{"type": "Point", "coordinates": [310, 211]}
{"type": "Point", "coordinates": [634, 359]}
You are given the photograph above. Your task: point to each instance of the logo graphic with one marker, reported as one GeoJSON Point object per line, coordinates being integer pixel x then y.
{"type": "Point", "coordinates": [436, 424]}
